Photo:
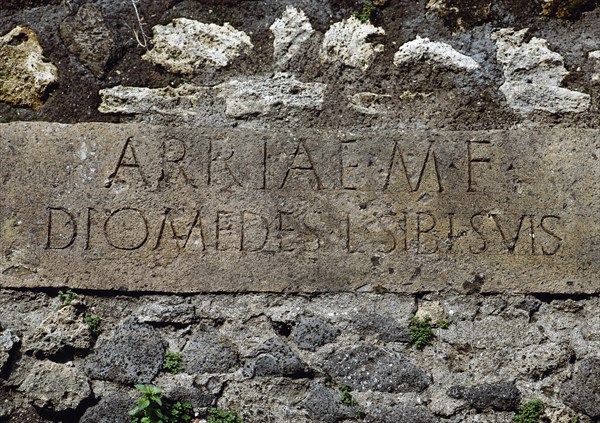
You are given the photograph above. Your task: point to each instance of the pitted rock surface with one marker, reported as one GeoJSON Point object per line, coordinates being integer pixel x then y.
{"type": "Point", "coordinates": [274, 358]}
{"type": "Point", "coordinates": [172, 312]}
{"type": "Point", "coordinates": [87, 36]}
{"type": "Point", "coordinates": [399, 414]}
{"type": "Point", "coordinates": [323, 404]}
{"type": "Point", "coordinates": [8, 342]}
{"type": "Point", "coordinates": [110, 409]}
{"type": "Point", "coordinates": [387, 328]}
{"type": "Point", "coordinates": [499, 396]}
{"type": "Point", "coordinates": [582, 392]}
{"type": "Point", "coordinates": [25, 74]}
{"type": "Point", "coordinates": [64, 331]}
{"type": "Point", "coordinates": [312, 333]}
{"type": "Point", "coordinates": [208, 352]}
{"type": "Point", "coordinates": [133, 354]}
{"type": "Point", "coordinates": [371, 368]}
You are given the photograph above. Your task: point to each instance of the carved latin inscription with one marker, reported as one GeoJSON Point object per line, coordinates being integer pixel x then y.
{"type": "Point", "coordinates": [307, 210]}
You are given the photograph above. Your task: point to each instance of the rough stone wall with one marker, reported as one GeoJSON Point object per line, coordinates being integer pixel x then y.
{"type": "Point", "coordinates": [441, 64]}
{"type": "Point", "coordinates": [287, 358]}
{"type": "Point", "coordinates": [445, 64]}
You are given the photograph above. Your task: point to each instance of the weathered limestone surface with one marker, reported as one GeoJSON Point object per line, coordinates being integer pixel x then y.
{"type": "Point", "coordinates": [56, 386]}
{"type": "Point", "coordinates": [132, 207]}
{"type": "Point", "coordinates": [25, 73]}
{"type": "Point", "coordinates": [594, 56]}
{"type": "Point", "coordinates": [291, 31]}
{"type": "Point", "coordinates": [346, 42]}
{"type": "Point", "coordinates": [533, 74]}
{"type": "Point", "coordinates": [185, 45]}
{"type": "Point", "coordinates": [61, 331]}
{"type": "Point", "coordinates": [434, 52]}
{"type": "Point", "coordinates": [194, 105]}
{"type": "Point", "coordinates": [8, 341]}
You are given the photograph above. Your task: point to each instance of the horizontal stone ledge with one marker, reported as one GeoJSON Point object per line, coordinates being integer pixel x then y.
{"type": "Point", "coordinates": [166, 209]}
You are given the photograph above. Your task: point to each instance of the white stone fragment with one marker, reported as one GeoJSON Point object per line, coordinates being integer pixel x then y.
{"type": "Point", "coordinates": [432, 309]}
{"type": "Point", "coordinates": [196, 105]}
{"type": "Point", "coordinates": [8, 341]}
{"type": "Point", "coordinates": [595, 56]}
{"type": "Point", "coordinates": [433, 52]}
{"type": "Point", "coordinates": [55, 386]}
{"type": "Point", "coordinates": [533, 74]}
{"type": "Point", "coordinates": [257, 96]}
{"type": "Point", "coordinates": [370, 103]}
{"type": "Point", "coordinates": [291, 31]}
{"type": "Point", "coordinates": [185, 45]}
{"type": "Point", "coordinates": [142, 100]}
{"type": "Point", "coordinates": [25, 72]}
{"type": "Point", "coordinates": [345, 42]}
{"type": "Point", "coordinates": [525, 98]}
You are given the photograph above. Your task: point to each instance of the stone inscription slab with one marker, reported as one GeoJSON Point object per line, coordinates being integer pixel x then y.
{"type": "Point", "coordinates": [136, 207]}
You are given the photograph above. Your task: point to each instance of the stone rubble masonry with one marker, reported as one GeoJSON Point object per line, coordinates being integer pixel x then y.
{"type": "Point", "coordinates": [207, 352]}
{"type": "Point", "coordinates": [582, 392]}
{"type": "Point", "coordinates": [55, 386]}
{"type": "Point", "coordinates": [454, 380]}
{"type": "Point", "coordinates": [187, 47]}
{"type": "Point", "coordinates": [133, 354]}
{"type": "Point", "coordinates": [62, 331]}
{"type": "Point", "coordinates": [367, 368]}
{"type": "Point", "coordinates": [499, 396]}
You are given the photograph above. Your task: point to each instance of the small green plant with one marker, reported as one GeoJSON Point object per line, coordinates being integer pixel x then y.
{"type": "Point", "coordinates": [530, 412]}
{"type": "Point", "coordinates": [346, 397]}
{"type": "Point", "coordinates": [366, 13]}
{"type": "Point", "coordinates": [576, 419]}
{"type": "Point", "coordinates": [443, 324]}
{"type": "Point", "coordinates": [421, 332]}
{"type": "Point", "coordinates": [217, 415]}
{"type": "Point", "coordinates": [181, 412]}
{"type": "Point", "coordinates": [65, 298]}
{"type": "Point", "coordinates": [150, 408]}
{"type": "Point", "coordinates": [173, 362]}
{"type": "Point", "coordinates": [94, 323]}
